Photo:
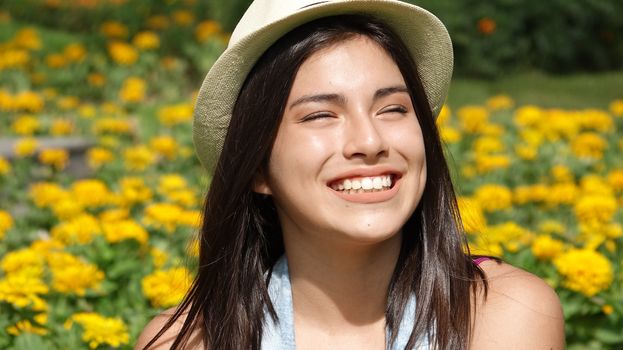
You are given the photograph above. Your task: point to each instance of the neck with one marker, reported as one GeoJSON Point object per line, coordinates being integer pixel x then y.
{"type": "Point", "coordinates": [339, 285]}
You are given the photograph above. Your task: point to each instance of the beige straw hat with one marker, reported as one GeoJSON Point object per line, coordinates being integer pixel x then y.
{"type": "Point", "coordinates": [265, 21]}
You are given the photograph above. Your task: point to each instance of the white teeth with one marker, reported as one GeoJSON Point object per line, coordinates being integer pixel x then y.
{"type": "Point", "coordinates": [366, 184]}
{"type": "Point", "coordinates": [377, 183]}
{"type": "Point", "coordinates": [356, 184]}
{"type": "Point", "coordinates": [347, 184]}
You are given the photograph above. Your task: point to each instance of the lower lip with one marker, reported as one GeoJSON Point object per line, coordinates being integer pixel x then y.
{"type": "Point", "coordinates": [369, 197]}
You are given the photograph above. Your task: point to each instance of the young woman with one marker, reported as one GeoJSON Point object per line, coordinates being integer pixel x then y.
{"type": "Point", "coordinates": [331, 220]}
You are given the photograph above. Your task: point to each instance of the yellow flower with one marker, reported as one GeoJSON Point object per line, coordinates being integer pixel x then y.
{"type": "Point", "coordinates": [508, 234]}
{"type": "Point", "coordinates": [551, 226]}
{"type": "Point", "coordinates": [473, 118]}
{"type": "Point", "coordinates": [61, 127]}
{"type": "Point", "coordinates": [528, 116]}
{"type": "Point", "coordinates": [113, 126]}
{"type": "Point", "coordinates": [184, 198]}
{"type": "Point", "coordinates": [563, 193]}
{"type": "Point", "coordinates": [22, 290]}
{"type": "Point", "coordinates": [87, 111]}
{"type": "Point", "coordinates": [6, 222]}
{"type": "Point", "coordinates": [55, 60]}
{"type": "Point", "coordinates": [27, 38]}
{"type": "Point", "coordinates": [78, 230]}
{"type": "Point", "coordinates": [98, 156]}
{"type": "Point", "coordinates": [190, 218]}
{"type": "Point", "coordinates": [68, 102]}
{"type": "Point", "coordinates": [138, 158]}
{"type": "Point", "coordinates": [596, 119]}
{"type": "Point", "coordinates": [5, 166]}
{"type": "Point", "coordinates": [159, 257]}
{"type": "Point", "coordinates": [500, 102]}
{"type": "Point", "coordinates": [23, 261]}
{"type": "Point", "coordinates": [76, 277]}
{"type": "Point", "coordinates": [444, 115]}
{"type": "Point", "coordinates": [24, 326]}
{"type": "Point", "coordinates": [163, 215]}
{"type": "Point", "coordinates": [530, 193]}
{"type": "Point", "coordinates": [526, 152]}
{"type": "Point", "coordinates": [146, 40]}
{"type": "Point", "coordinates": [449, 134]}
{"type": "Point", "coordinates": [25, 100]}
{"type": "Point", "coordinates": [91, 193]}
{"type": "Point", "coordinates": [122, 53]}
{"type": "Point", "coordinates": [588, 145]}
{"type": "Point", "coordinates": [175, 114]}
{"type": "Point", "coordinates": [67, 208]}
{"type": "Point", "coordinates": [118, 231]}
{"type": "Point", "coordinates": [472, 216]}
{"type": "Point", "coordinates": [25, 125]}
{"type": "Point", "coordinates": [585, 271]}
{"type": "Point", "coordinates": [562, 173]}
{"type": "Point", "coordinates": [75, 52]}
{"type": "Point", "coordinates": [168, 183]}
{"type": "Point", "coordinates": [96, 79]}
{"type": "Point", "coordinates": [133, 190]}
{"type": "Point", "coordinates": [14, 59]}
{"type": "Point", "coordinates": [615, 179]}
{"type": "Point", "coordinates": [57, 158]}
{"type": "Point", "coordinates": [594, 184]}
{"type": "Point", "coordinates": [607, 309]}
{"type": "Point", "coordinates": [486, 163]}
{"type": "Point", "coordinates": [487, 145]}
{"type": "Point", "coordinates": [183, 17]}
{"type": "Point", "coordinates": [166, 288]}
{"type": "Point", "coordinates": [46, 194]}
{"type": "Point", "coordinates": [206, 30]}
{"type": "Point", "coordinates": [114, 215]}
{"type": "Point", "coordinates": [616, 108]}
{"type": "Point", "coordinates": [493, 197]}
{"type": "Point", "coordinates": [25, 147]}
{"type": "Point", "coordinates": [165, 146]}
{"type": "Point", "coordinates": [595, 208]}
{"type": "Point", "coordinates": [546, 248]}
{"type": "Point", "coordinates": [100, 330]}
{"type": "Point", "coordinates": [133, 90]}
{"type": "Point", "coordinates": [114, 29]}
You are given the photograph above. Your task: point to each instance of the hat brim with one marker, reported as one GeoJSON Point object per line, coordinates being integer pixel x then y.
{"type": "Point", "coordinates": [424, 35]}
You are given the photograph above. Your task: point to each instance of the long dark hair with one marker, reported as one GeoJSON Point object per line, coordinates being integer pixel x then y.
{"type": "Point", "coordinates": [240, 238]}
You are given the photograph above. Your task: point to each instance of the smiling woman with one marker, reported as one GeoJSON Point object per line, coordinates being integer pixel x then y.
{"type": "Point", "coordinates": [331, 221]}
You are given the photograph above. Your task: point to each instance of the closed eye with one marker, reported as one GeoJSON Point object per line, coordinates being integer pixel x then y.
{"type": "Point", "coordinates": [394, 109]}
{"type": "Point", "coordinates": [315, 116]}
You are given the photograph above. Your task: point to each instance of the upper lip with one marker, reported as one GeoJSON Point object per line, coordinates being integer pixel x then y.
{"type": "Point", "coordinates": [366, 172]}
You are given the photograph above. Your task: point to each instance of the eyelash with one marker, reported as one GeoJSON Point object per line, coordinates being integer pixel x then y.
{"type": "Point", "coordinates": [396, 109]}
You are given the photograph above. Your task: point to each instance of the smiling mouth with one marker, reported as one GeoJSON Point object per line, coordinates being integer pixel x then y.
{"type": "Point", "coordinates": [365, 184]}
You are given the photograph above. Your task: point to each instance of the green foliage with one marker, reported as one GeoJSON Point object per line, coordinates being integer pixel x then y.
{"type": "Point", "coordinates": [493, 37]}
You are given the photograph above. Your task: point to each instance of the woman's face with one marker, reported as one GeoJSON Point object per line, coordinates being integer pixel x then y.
{"type": "Point", "coordinates": [348, 162]}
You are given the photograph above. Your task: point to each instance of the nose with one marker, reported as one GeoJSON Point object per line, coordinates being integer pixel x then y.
{"type": "Point", "coordinates": [364, 139]}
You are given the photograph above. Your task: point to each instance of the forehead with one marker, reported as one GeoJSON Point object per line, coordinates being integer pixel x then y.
{"type": "Point", "coordinates": [351, 63]}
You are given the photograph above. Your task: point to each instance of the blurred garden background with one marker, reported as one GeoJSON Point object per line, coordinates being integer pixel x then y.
{"type": "Point", "coordinates": [100, 190]}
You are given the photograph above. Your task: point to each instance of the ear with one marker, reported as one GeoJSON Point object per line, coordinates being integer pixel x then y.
{"type": "Point", "coordinates": [260, 185]}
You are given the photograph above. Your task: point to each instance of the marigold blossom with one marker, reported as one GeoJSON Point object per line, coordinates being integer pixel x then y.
{"type": "Point", "coordinates": [166, 288]}
{"type": "Point", "coordinates": [585, 271]}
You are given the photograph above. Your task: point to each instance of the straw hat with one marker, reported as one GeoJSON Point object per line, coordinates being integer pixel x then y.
{"type": "Point", "coordinates": [265, 21]}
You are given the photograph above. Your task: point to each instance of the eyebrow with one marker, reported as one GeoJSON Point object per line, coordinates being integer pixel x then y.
{"type": "Point", "coordinates": [340, 99]}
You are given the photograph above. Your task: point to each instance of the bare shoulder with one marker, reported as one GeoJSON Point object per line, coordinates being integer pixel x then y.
{"type": "Point", "coordinates": [520, 309]}
{"type": "Point", "coordinates": [166, 340]}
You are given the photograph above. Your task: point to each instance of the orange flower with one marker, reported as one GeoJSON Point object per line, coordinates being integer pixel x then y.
{"type": "Point", "coordinates": [486, 26]}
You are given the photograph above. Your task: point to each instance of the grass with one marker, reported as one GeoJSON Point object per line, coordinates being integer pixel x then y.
{"type": "Point", "coordinates": [562, 91]}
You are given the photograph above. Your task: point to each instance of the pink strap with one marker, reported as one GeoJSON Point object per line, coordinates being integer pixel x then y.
{"type": "Point", "coordinates": [478, 260]}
